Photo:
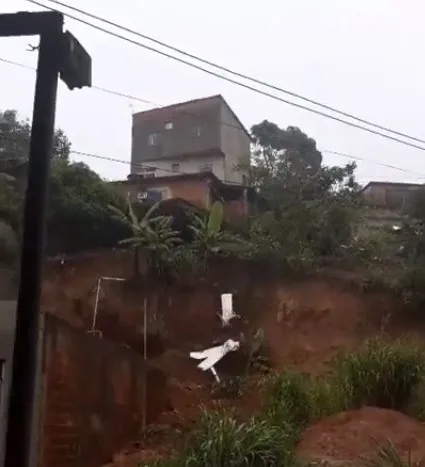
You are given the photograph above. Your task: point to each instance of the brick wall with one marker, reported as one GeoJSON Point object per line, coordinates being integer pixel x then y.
{"type": "Point", "coordinates": [388, 196]}
{"type": "Point", "coordinates": [93, 397]}
{"type": "Point", "coordinates": [235, 210]}
{"type": "Point", "coordinates": [194, 190]}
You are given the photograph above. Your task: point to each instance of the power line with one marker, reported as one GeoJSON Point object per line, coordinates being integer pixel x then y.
{"type": "Point", "coordinates": [128, 96]}
{"type": "Point", "coordinates": [230, 80]}
{"type": "Point", "coordinates": [152, 167]}
{"type": "Point", "coordinates": [144, 166]}
{"type": "Point", "coordinates": [233, 72]}
{"type": "Point", "coordinates": [108, 91]}
{"type": "Point", "coordinates": [357, 158]}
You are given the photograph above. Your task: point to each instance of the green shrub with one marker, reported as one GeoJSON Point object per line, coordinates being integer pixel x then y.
{"type": "Point", "coordinates": [223, 441]}
{"type": "Point", "coordinates": [325, 398]}
{"type": "Point", "coordinates": [410, 287]}
{"type": "Point", "coordinates": [388, 456]}
{"type": "Point", "coordinates": [231, 388]}
{"type": "Point", "coordinates": [416, 407]}
{"type": "Point", "coordinates": [289, 401]}
{"type": "Point", "coordinates": [381, 374]}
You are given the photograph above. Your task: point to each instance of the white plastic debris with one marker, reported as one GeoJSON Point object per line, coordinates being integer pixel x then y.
{"type": "Point", "coordinates": [227, 312]}
{"type": "Point", "coordinates": [213, 355]}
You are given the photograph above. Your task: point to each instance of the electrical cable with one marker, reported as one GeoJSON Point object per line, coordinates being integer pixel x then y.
{"type": "Point", "coordinates": [235, 73]}
{"type": "Point", "coordinates": [230, 80]}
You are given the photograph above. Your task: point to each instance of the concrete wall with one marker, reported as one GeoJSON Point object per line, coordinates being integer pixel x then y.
{"type": "Point", "coordinates": [202, 129]}
{"type": "Point", "coordinates": [190, 164]}
{"type": "Point", "coordinates": [388, 196]}
{"type": "Point", "coordinates": [235, 144]}
{"type": "Point", "coordinates": [195, 129]}
{"type": "Point", "coordinates": [195, 191]}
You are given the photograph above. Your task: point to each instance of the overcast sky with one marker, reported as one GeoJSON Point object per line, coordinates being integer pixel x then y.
{"type": "Point", "coordinates": [363, 57]}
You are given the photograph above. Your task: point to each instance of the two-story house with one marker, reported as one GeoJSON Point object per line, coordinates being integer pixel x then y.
{"type": "Point", "coordinates": [202, 135]}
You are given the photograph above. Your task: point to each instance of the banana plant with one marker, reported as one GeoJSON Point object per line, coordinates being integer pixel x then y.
{"type": "Point", "coordinates": [211, 238]}
{"type": "Point", "coordinates": [151, 233]}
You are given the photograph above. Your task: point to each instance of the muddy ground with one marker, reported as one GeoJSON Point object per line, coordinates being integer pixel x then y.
{"type": "Point", "coordinates": [305, 322]}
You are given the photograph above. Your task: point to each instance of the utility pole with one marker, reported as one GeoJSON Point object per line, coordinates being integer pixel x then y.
{"type": "Point", "coordinates": [59, 53]}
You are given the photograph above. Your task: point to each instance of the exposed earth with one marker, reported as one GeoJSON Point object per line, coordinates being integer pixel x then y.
{"type": "Point", "coordinates": [350, 435]}
{"type": "Point", "coordinates": [305, 323]}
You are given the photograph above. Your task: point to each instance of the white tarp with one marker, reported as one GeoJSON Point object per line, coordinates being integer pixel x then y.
{"type": "Point", "coordinates": [213, 355]}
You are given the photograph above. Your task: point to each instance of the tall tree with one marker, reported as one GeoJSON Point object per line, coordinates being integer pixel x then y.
{"type": "Point", "coordinates": [78, 215]}
{"type": "Point", "coordinates": [15, 138]}
{"type": "Point", "coordinates": [286, 166]}
{"type": "Point", "coordinates": [311, 206]}
{"type": "Point", "coordinates": [295, 145]}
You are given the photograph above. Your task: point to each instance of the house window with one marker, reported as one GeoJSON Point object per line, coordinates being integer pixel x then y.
{"type": "Point", "coordinates": [205, 168]}
{"type": "Point", "coordinates": [175, 167]}
{"type": "Point", "coordinates": [168, 125]}
{"type": "Point", "coordinates": [153, 139]}
{"type": "Point", "coordinates": [142, 196]}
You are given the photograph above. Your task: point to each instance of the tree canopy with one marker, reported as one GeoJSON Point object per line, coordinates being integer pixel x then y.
{"type": "Point", "coordinates": [311, 206]}
{"type": "Point", "coordinates": [79, 203]}
{"type": "Point", "coordinates": [15, 138]}
{"type": "Point", "coordinates": [286, 166]}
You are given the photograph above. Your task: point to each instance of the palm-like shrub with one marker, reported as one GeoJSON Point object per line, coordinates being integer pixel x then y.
{"type": "Point", "coordinates": [151, 233]}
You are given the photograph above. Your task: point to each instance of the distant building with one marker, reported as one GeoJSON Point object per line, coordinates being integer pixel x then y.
{"type": "Point", "coordinates": [388, 195]}
{"type": "Point", "coordinates": [197, 189]}
{"type": "Point", "coordinates": [192, 137]}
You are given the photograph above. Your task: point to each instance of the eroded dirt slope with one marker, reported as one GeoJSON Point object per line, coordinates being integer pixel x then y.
{"type": "Point", "coordinates": [305, 322]}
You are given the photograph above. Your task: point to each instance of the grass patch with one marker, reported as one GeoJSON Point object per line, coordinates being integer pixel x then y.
{"type": "Point", "coordinates": [231, 388]}
{"type": "Point", "coordinates": [416, 406]}
{"type": "Point", "coordinates": [289, 401]}
{"type": "Point", "coordinates": [299, 400]}
{"type": "Point", "coordinates": [388, 456]}
{"type": "Point", "coordinates": [381, 373]}
{"type": "Point", "coordinates": [223, 441]}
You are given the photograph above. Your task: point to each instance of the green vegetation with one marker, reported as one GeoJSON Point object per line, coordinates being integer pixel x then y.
{"type": "Point", "coordinates": [311, 216]}
{"type": "Point", "coordinates": [15, 139]}
{"type": "Point", "coordinates": [154, 235]}
{"type": "Point", "coordinates": [379, 373]}
{"type": "Point", "coordinates": [382, 373]}
{"type": "Point", "coordinates": [388, 456]}
{"type": "Point", "coordinates": [223, 440]}
{"type": "Point", "coordinates": [78, 215]}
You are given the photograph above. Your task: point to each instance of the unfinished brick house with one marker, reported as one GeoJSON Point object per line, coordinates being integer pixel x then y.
{"type": "Point", "coordinates": [197, 189]}
{"type": "Point", "coordinates": [190, 137]}
{"type": "Point", "coordinates": [388, 195]}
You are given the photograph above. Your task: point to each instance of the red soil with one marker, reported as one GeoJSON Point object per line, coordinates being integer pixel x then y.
{"type": "Point", "coordinates": [350, 436]}
{"type": "Point", "coordinates": [305, 323]}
